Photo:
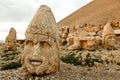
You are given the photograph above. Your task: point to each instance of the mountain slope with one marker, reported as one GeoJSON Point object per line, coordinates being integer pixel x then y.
{"type": "Point", "coordinates": [96, 12]}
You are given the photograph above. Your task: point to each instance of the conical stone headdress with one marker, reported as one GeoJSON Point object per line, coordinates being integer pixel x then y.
{"type": "Point", "coordinates": [108, 30]}
{"type": "Point", "coordinates": [43, 23]}
{"type": "Point", "coordinates": [12, 34]}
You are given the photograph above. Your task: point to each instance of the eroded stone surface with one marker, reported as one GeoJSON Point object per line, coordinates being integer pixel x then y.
{"type": "Point", "coordinates": [10, 42]}
{"type": "Point", "coordinates": [41, 51]}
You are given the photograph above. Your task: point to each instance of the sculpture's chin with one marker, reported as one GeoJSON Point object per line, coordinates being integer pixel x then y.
{"type": "Point", "coordinates": [35, 67]}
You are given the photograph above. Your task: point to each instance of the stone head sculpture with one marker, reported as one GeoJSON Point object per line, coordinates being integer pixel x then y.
{"type": "Point", "coordinates": [41, 51]}
{"type": "Point", "coordinates": [115, 24]}
{"type": "Point", "coordinates": [10, 42]}
{"type": "Point", "coordinates": [108, 36]}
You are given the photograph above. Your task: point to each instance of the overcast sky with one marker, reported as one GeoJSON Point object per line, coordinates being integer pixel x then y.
{"type": "Point", "coordinates": [18, 13]}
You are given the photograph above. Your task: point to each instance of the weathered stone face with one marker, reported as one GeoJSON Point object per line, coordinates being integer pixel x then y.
{"type": "Point", "coordinates": [110, 41]}
{"type": "Point", "coordinates": [115, 24]}
{"type": "Point", "coordinates": [41, 56]}
{"type": "Point", "coordinates": [10, 42]}
{"type": "Point", "coordinates": [41, 52]}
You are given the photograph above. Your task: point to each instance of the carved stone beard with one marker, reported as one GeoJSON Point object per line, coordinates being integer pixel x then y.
{"type": "Point", "coordinates": [36, 65]}
{"type": "Point", "coordinates": [41, 57]}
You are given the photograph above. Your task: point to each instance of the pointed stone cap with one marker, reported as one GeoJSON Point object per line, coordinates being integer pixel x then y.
{"type": "Point", "coordinates": [43, 23]}
{"type": "Point", "coordinates": [12, 33]}
{"type": "Point", "coordinates": [108, 30]}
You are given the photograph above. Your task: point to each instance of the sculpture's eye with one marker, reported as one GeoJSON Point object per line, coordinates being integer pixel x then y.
{"type": "Point", "coordinates": [30, 43]}
{"type": "Point", "coordinates": [45, 44]}
{"type": "Point", "coordinates": [8, 41]}
{"type": "Point", "coordinates": [110, 37]}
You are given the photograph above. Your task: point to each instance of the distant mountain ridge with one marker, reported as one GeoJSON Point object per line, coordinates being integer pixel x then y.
{"type": "Point", "coordinates": [96, 12]}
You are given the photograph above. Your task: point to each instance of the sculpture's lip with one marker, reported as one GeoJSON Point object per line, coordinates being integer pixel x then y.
{"type": "Point", "coordinates": [36, 62]}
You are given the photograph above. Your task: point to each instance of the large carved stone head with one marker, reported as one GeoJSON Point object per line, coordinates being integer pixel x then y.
{"type": "Point", "coordinates": [41, 51]}
{"type": "Point", "coordinates": [10, 42]}
{"type": "Point", "coordinates": [108, 36]}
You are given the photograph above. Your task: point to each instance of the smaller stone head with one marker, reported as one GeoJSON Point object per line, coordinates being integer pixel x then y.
{"type": "Point", "coordinates": [108, 36]}
{"type": "Point", "coordinates": [41, 51]}
{"type": "Point", "coordinates": [110, 41]}
{"type": "Point", "coordinates": [10, 42]}
{"type": "Point", "coordinates": [115, 24]}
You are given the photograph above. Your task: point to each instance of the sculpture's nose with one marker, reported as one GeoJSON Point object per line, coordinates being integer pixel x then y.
{"type": "Point", "coordinates": [36, 50]}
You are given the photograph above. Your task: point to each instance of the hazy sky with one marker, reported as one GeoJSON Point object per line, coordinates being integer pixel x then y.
{"type": "Point", "coordinates": [18, 13]}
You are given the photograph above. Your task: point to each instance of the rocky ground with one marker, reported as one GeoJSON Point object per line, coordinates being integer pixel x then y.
{"type": "Point", "coordinates": [68, 71]}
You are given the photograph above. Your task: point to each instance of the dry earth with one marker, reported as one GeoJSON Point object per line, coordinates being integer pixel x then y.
{"type": "Point", "coordinates": [67, 71]}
